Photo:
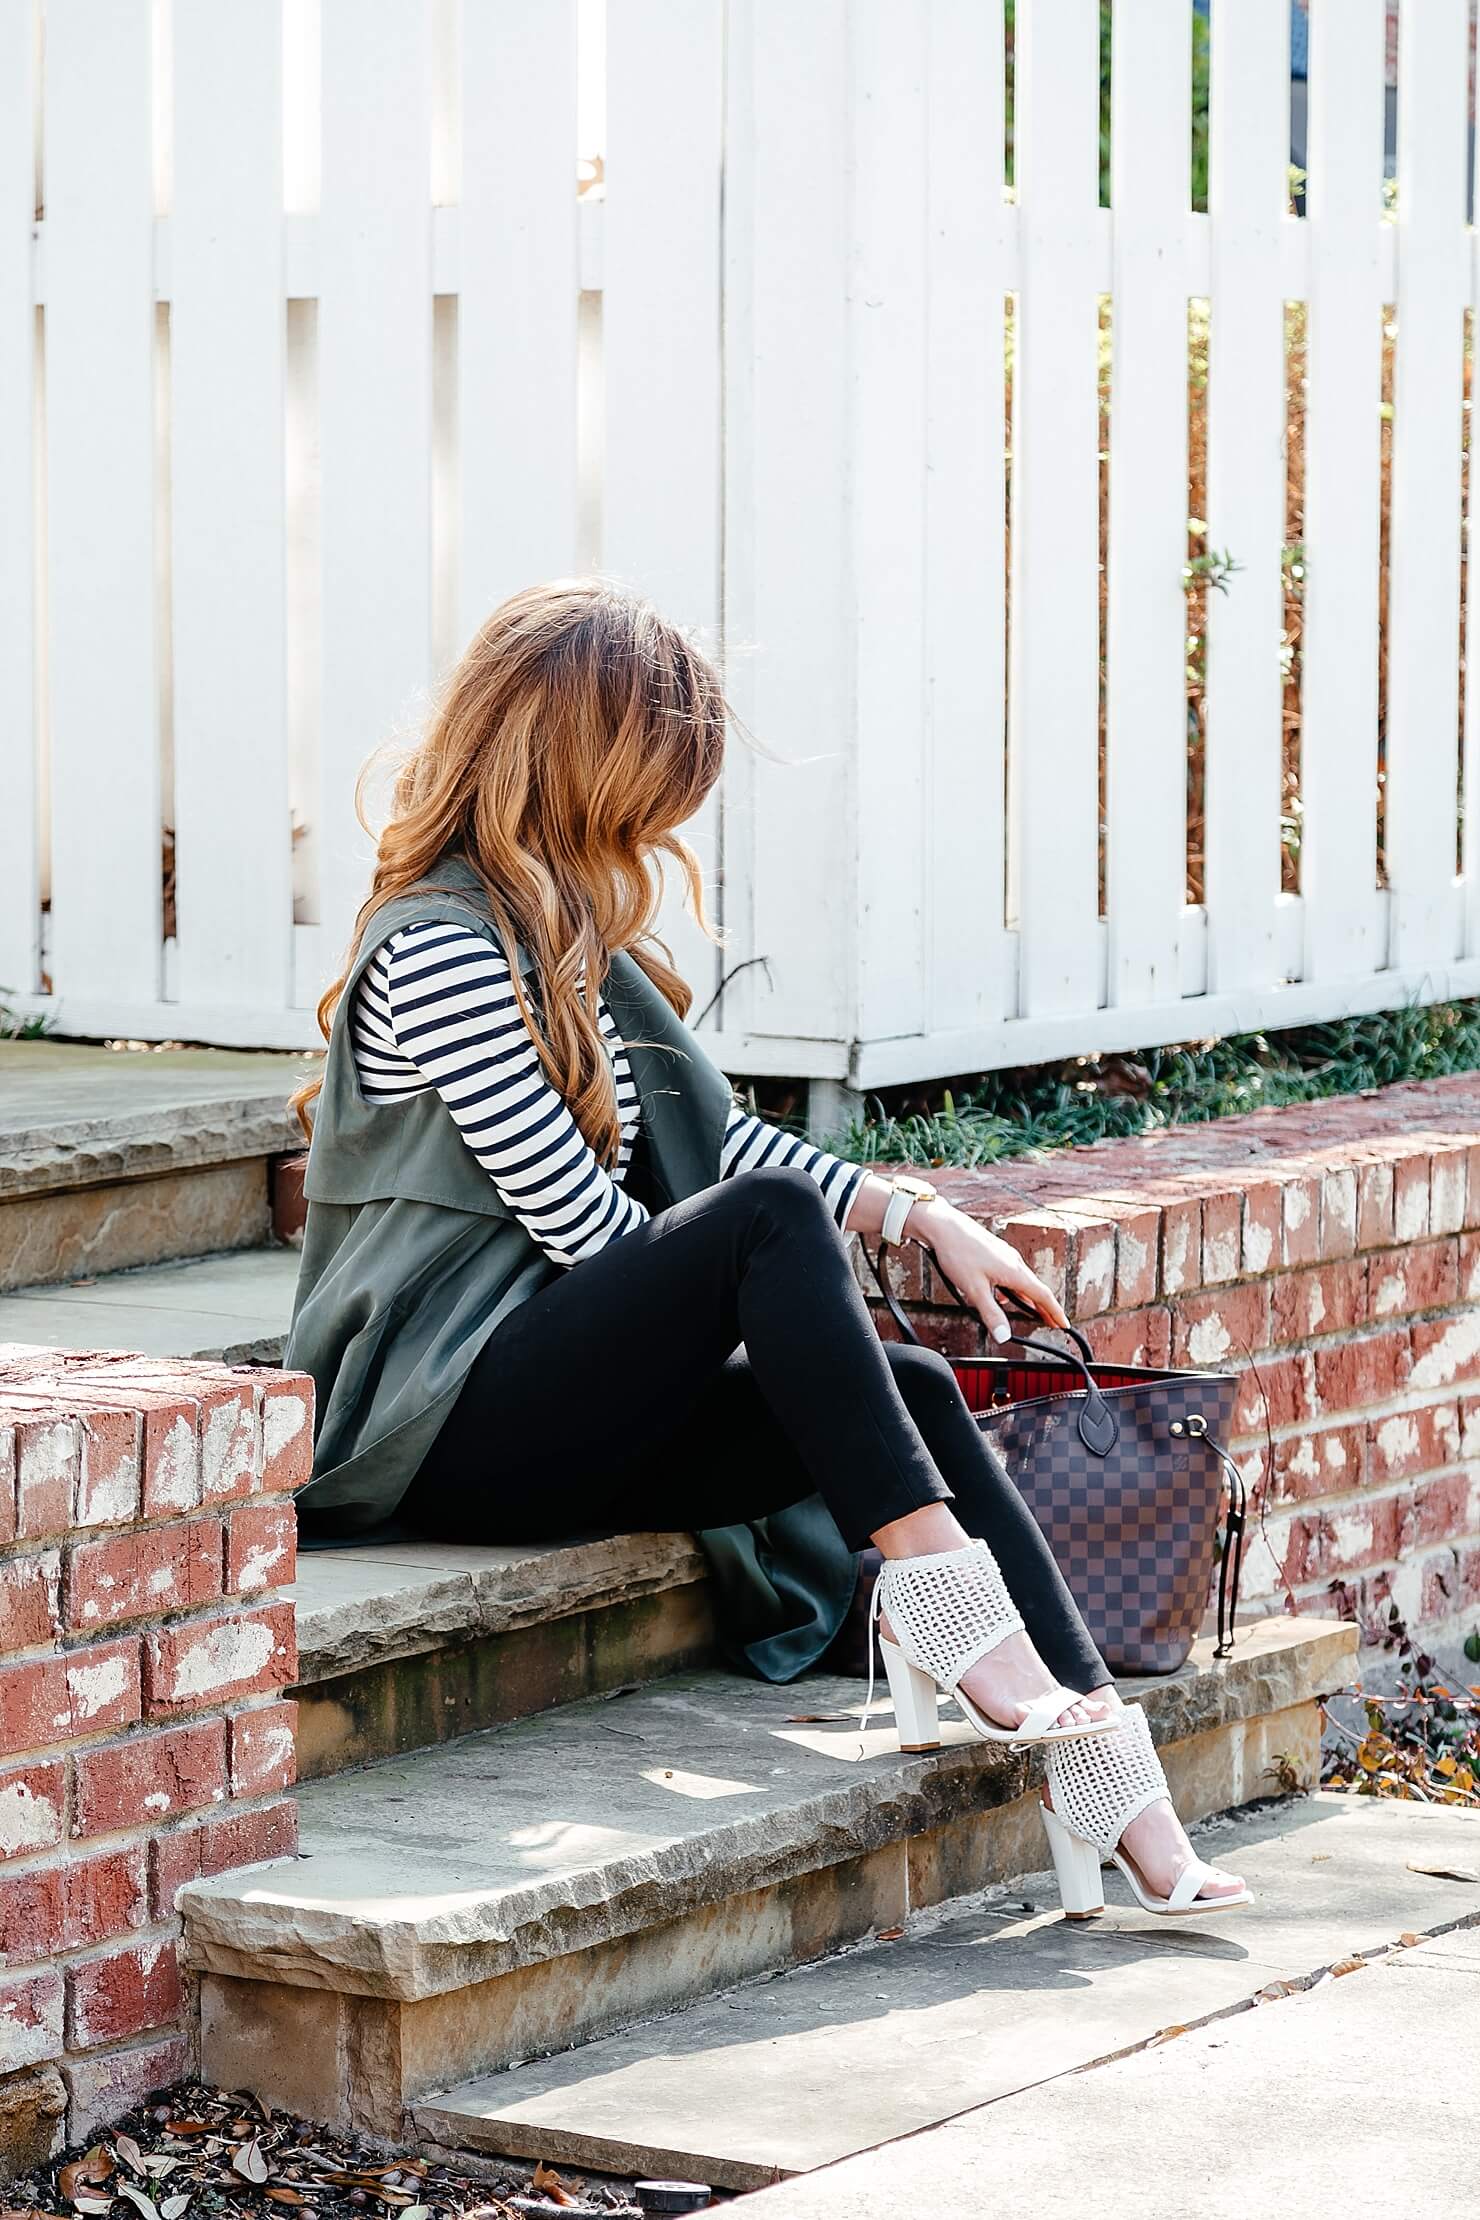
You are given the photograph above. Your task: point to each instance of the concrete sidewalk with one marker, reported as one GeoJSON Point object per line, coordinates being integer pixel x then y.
{"type": "Point", "coordinates": [1356, 2095]}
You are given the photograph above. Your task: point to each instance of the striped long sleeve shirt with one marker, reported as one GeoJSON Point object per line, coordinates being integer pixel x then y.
{"type": "Point", "coordinates": [436, 1008]}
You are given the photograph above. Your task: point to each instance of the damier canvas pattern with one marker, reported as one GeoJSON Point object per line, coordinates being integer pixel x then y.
{"type": "Point", "coordinates": [1134, 1532]}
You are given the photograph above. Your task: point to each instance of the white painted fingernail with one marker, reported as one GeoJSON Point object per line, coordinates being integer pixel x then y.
{"type": "Point", "coordinates": [1002, 1333]}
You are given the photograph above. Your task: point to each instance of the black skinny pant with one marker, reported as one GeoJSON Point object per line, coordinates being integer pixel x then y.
{"type": "Point", "coordinates": [714, 1366]}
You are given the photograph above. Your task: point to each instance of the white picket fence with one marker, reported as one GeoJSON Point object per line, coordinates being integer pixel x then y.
{"type": "Point", "coordinates": [314, 353]}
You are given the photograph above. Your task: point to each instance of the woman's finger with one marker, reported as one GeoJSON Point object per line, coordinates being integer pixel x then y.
{"type": "Point", "coordinates": [993, 1315]}
{"type": "Point", "coordinates": [1024, 1282]}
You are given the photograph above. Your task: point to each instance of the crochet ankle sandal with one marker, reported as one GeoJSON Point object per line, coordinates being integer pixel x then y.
{"type": "Point", "coordinates": [947, 1610]}
{"type": "Point", "coordinates": [1096, 1794]}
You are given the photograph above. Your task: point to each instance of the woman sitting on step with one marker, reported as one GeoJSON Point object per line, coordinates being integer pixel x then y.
{"type": "Point", "coordinates": [556, 1279]}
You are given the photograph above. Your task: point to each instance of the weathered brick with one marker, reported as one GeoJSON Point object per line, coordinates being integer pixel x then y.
{"type": "Point", "coordinates": [35, 1705]}
{"type": "Point", "coordinates": [1446, 1349]}
{"type": "Point", "coordinates": [285, 1416]}
{"type": "Point", "coordinates": [1132, 1336]}
{"type": "Point", "coordinates": [1419, 1440]}
{"type": "Point", "coordinates": [263, 1749]}
{"type": "Point", "coordinates": [1042, 1240]}
{"type": "Point", "coordinates": [31, 2024]}
{"type": "Point", "coordinates": [229, 1462]}
{"type": "Point", "coordinates": [218, 1660]}
{"type": "Point", "coordinates": [171, 1448]}
{"type": "Point", "coordinates": [1468, 1267]}
{"type": "Point", "coordinates": [105, 2085]}
{"type": "Point", "coordinates": [1093, 1278]}
{"type": "Point", "coordinates": [71, 1905]}
{"type": "Point", "coordinates": [30, 1605]}
{"type": "Point", "coordinates": [150, 1777]}
{"type": "Point", "coordinates": [1263, 1227]}
{"type": "Point", "coordinates": [144, 1573]}
{"type": "Point", "coordinates": [1338, 1210]}
{"type": "Point", "coordinates": [1222, 1237]}
{"type": "Point", "coordinates": [1375, 1204]}
{"type": "Point", "coordinates": [48, 1468]}
{"type": "Point", "coordinates": [1181, 1246]}
{"type": "Point", "coordinates": [1411, 1197]}
{"type": "Point", "coordinates": [217, 1846]}
{"type": "Point", "coordinates": [1329, 1460]}
{"type": "Point", "coordinates": [1367, 1369]}
{"type": "Point", "coordinates": [125, 1992]}
{"type": "Point", "coordinates": [1438, 1511]}
{"type": "Point", "coordinates": [1447, 1187]}
{"type": "Point", "coordinates": [1322, 1299]}
{"type": "Point", "coordinates": [32, 1806]}
{"type": "Point", "coordinates": [7, 1485]}
{"type": "Point", "coordinates": [1219, 1325]}
{"type": "Point", "coordinates": [1472, 1184]}
{"type": "Point", "coordinates": [103, 1681]}
{"type": "Point", "coordinates": [1300, 1218]}
{"type": "Point", "coordinates": [1423, 1277]}
{"type": "Point", "coordinates": [261, 1547]}
{"type": "Point", "coordinates": [109, 1484]}
{"type": "Point", "coordinates": [1278, 1392]}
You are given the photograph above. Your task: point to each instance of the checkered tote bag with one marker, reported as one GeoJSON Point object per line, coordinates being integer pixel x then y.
{"type": "Point", "coordinates": [1122, 1466]}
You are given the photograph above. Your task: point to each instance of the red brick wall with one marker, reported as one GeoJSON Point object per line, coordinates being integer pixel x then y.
{"type": "Point", "coordinates": [1331, 1255]}
{"type": "Point", "coordinates": [146, 1539]}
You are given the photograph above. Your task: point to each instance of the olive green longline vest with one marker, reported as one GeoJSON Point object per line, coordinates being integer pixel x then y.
{"type": "Point", "coordinates": [411, 1260]}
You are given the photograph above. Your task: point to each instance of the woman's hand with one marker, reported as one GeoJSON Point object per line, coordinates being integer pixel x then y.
{"type": "Point", "coordinates": [980, 1262]}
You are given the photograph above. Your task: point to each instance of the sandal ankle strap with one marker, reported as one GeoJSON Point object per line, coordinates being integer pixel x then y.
{"type": "Point", "coordinates": [947, 1608]}
{"type": "Point", "coordinates": [1100, 1783]}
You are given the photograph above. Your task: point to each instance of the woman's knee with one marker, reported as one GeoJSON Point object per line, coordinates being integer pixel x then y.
{"type": "Point", "coordinates": [925, 1379]}
{"type": "Point", "coordinates": [787, 1196]}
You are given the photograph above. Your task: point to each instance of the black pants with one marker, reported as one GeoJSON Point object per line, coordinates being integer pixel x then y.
{"type": "Point", "coordinates": [714, 1366]}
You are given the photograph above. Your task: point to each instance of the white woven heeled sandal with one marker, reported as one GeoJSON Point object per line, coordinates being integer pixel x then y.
{"type": "Point", "coordinates": [948, 1609]}
{"type": "Point", "coordinates": [1096, 1794]}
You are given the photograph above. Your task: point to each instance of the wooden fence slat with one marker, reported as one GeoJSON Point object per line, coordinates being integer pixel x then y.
{"type": "Point", "coordinates": [1248, 194]}
{"type": "Point", "coordinates": [233, 836]}
{"type": "Point", "coordinates": [375, 350]}
{"type": "Point", "coordinates": [1338, 780]}
{"type": "Point", "coordinates": [100, 437]}
{"type": "Point", "coordinates": [1424, 543]}
{"type": "Point", "coordinates": [660, 340]}
{"type": "Point", "coordinates": [20, 891]}
{"type": "Point", "coordinates": [965, 490]}
{"type": "Point", "coordinates": [887, 294]}
{"type": "Point", "coordinates": [788, 847]}
{"type": "Point", "coordinates": [1055, 635]}
{"type": "Point", "coordinates": [1146, 615]}
{"type": "Point", "coordinates": [518, 301]}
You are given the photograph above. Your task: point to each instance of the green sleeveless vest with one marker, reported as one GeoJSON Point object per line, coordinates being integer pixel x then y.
{"type": "Point", "coordinates": [411, 1260]}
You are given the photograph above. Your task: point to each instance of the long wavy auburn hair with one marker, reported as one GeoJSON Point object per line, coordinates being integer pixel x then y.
{"type": "Point", "coordinates": [574, 737]}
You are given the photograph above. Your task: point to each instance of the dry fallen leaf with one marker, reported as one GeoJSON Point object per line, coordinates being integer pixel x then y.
{"type": "Point", "coordinates": [1346, 1965]}
{"type": "Point", "coordinates": [137, 2197]}
{"type": "Point", "coordinates": [1444, 1872]}
{"type": "Point", "coordinates": [85, 2173]}
{"type": "Point", "coordinates": [547, 2183]}
{"type": "Point", "coordinates": [818, 1718]}
{"type": "Point", "coordinates": [170, 2208]}
{"type": "Point", "coordinates": [1165, 2035]}
{"type": "Point", "coordinates": [1408, 1939]}
{"type": "Point", "coordinates": [128, 2150]}
{"type": "Point", "coordinates": [247, 2160]}
{"type": "Point", "coordinates": [890, 1934]}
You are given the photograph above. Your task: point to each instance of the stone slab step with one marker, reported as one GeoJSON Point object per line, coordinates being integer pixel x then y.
{"type": "Point", "coordinates": [786, 2075]}
{"type": "Point", "coordinates": [1292, 2109]}
{"type": "Point", "coordinates": [233, 1309]}
{"type": "Point", "coordinates": [110, 1160]}
{"type": "Point", "coordinates": [522, 1890]}
{"type": "Point", "coordinates": [406, 1644]}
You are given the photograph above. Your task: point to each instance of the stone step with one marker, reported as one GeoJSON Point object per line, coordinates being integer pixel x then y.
{"type": "Point", "coordinates": [110, 1160]}
{"type": "Point", "coordinates": [405, 1644]}
{"type": "Point", "coordinates": [522, 1890]}
{"type": "Point", "coordinates": [233, 1309]}
{"type": "Point", "coordinates": [785, 2075]}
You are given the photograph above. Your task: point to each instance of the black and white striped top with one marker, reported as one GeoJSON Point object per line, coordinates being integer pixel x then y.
{"type": "Point", "coordinates": [436, 1008]}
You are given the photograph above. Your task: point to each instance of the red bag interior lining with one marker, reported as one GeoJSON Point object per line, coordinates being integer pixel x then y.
{"type": "Point", "coordinates": [986, 1380]}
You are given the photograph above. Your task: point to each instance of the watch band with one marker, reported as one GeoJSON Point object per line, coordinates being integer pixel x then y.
{"type": "Point", "coordinates": [896, 1211]}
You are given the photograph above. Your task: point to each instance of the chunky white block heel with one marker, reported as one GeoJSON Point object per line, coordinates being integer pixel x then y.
{"type": "Point", "coordinates": [948, 1609]}
{"type": "Point", "coordinates": [916, 1700]}
{"type": "Point", "coordinates": [1096, 1794]}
